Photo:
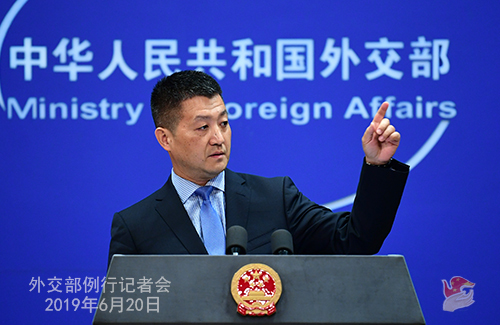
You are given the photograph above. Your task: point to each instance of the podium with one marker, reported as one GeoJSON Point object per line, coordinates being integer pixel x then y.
{"type": "Point", "coordinates": [196, 289]}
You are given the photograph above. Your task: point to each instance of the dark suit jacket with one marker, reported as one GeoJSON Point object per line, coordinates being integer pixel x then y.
{"type": "Point", "coordinates": [159, 224]}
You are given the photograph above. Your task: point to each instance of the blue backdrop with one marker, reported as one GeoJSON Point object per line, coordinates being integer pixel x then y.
{"type": "Point", "coordinates": [300, 80]}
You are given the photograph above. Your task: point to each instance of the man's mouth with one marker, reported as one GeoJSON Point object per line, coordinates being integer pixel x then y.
{"type": "Point", "coordinates": [217, 154]}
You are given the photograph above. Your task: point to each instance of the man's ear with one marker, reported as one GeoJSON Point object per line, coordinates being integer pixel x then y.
{"type": "Point", "coordinates": [164, 137]}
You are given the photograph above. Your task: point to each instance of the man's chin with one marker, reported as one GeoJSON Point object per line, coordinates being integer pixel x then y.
{"type": "Point", "coordinates": [217, 168]}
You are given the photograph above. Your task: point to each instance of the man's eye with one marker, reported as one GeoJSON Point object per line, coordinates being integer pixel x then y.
{"type": "Point", "coordinates": [225, 123]}
{"type": "Point", "coordinates": [204, 127]}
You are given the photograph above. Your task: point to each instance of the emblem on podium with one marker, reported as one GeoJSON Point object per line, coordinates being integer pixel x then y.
{"type": "Point", "coordinates": [256, 289]}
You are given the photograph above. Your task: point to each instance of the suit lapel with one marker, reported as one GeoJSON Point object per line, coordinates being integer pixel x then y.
{"type": "Point", "coordinates": [175, 216]}
{"type": "Point", "coordinates": [237, 200]}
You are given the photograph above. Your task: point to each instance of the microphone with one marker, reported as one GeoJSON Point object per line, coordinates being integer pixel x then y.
{"type": "Point", "coordinates": [282, 242]}
{"type": "Point", "coordinates": [236, 241]}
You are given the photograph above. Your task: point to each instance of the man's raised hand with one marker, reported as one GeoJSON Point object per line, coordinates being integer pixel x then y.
{"type": "Point", "coordinates": [380, 140]}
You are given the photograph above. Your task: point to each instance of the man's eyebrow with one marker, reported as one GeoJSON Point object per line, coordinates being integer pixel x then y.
{"type": "Point", "coordinates": [207, 117]}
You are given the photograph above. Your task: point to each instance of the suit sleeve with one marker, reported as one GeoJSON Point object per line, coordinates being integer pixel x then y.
{"type": "Point", "coordinates": [318, 230]}
{"type": "Point", "coordinates": [121, 238]}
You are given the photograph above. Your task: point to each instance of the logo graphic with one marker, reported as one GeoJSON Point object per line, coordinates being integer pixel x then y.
{"type": "Point", "coordinates": [256, 288]}
{"type": "Point", "coordinates": [456, 296]}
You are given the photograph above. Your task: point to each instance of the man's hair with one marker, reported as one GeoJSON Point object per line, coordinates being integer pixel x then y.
{"type": "Point", "coordinates": [171, 91]}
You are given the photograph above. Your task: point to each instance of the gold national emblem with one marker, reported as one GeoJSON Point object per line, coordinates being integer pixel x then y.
{"type": "Point", "coordinates": [256, 289]}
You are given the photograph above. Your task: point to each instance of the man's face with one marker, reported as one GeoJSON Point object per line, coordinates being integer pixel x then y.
{"type": "Point", "coordinates": [201, 145]}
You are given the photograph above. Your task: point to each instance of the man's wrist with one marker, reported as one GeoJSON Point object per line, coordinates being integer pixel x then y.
{"type": "Point", "coordinates": [383, 165]}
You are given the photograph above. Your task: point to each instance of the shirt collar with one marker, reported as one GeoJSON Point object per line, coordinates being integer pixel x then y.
{"type": "Point", "coordinates": [186, 188]}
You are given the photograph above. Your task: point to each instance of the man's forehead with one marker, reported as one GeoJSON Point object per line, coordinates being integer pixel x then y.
{"type": "Point", "coordinates": [200, 107]}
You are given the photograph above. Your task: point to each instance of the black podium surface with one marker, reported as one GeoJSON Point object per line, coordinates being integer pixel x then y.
{"type": "Point", "coordinates": [175, 289]}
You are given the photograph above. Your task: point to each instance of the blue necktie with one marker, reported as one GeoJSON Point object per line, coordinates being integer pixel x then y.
{"type": "Point", "coordinates": [211, 224]}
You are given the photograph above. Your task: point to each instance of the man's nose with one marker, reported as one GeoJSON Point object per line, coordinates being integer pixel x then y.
{"type": "Point", "coordinates": [217, 138]}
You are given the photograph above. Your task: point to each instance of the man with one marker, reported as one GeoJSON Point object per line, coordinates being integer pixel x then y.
{"type": "Point", "coordinates": [192, 126]}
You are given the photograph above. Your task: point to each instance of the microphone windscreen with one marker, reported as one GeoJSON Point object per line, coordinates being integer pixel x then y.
{"type": "Point", "coordinates": [236, 240]}
{"type": "Point", "coordinates": [281, 240]}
